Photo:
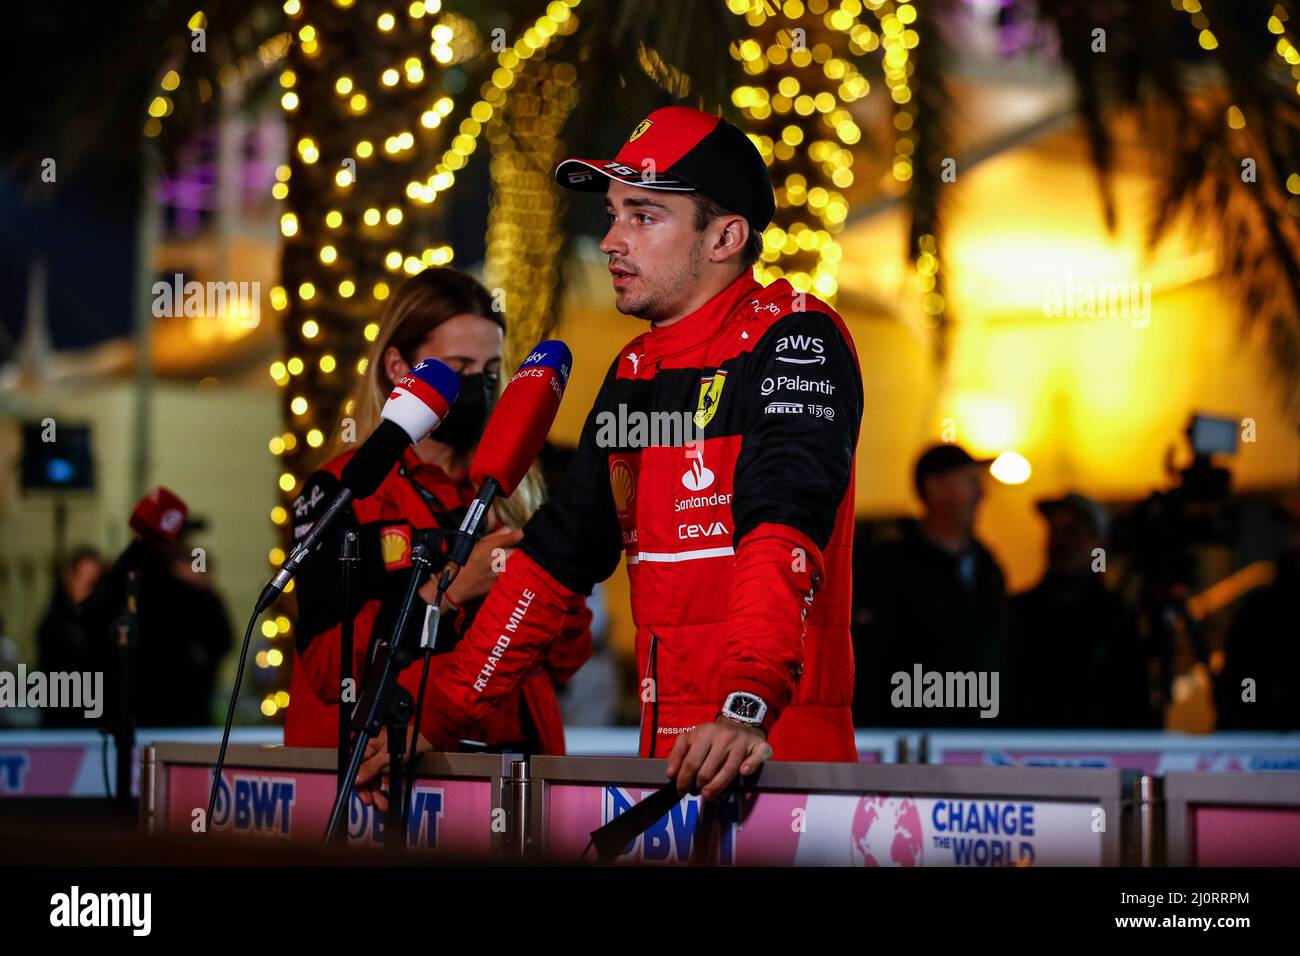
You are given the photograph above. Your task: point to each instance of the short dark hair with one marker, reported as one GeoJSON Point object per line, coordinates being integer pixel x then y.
{"type": "Point", "coordinates": [939, 460]}
{"type": "Point", "coordinates": [82, 552]}
{"type": "Point", "coordinates": [706, 210]}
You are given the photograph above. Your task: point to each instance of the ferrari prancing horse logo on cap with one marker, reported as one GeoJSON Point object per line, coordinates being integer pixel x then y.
{"type": "Point", "coordinates": [641, 127]}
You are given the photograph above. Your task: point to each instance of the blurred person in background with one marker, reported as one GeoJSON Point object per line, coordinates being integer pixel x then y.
{"type": "Point", "coordinates": [446, 315]}
{"type": "Point", "coordinates": [1263, 645]}
{"type": "Point", "coordinates": [183, 632]}
{"type": "Point", "coordinates": [1076, 660]}
{"type": "Point", "coordinates": [196, 659]}
{"type": "Point", "coordinates": [934, 597]}
{"type": "Point", "coordinates": [62, 643]}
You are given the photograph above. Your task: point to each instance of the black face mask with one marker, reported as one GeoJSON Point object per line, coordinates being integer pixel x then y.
{"type": "Point", "coordinates": [465, 422]}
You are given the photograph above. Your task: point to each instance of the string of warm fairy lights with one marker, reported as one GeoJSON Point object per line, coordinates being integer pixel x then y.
{"type": "Point", "coordinates": [1291, 56]}
{"type": "Point", "coordinates": [163, 105]}
{"type": "Point", "coordinates": [799, 78]}
{"type": "Point", "coordinates": [1284, 47]}
{"type": "Point", "coordinates": [523, 231]}
{"type": "Point", "coordinates": [1205, 36]}
{"type": "Point", "coordinates": [808, 80]}
{"type": "Point", "coordinates": [557, 21]}
{"type": "Point", "coordinates": [899, 36]}
{"type": "Point", "coordinates": [355, 230]}
{"type": "Point", "coordinates": [1285, 50]}
{"type": "Point", "coordinates": [371, 212]}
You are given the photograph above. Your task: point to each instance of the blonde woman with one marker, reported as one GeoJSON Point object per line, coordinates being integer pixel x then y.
{"type": "Point", "coordinates": [446, 315]}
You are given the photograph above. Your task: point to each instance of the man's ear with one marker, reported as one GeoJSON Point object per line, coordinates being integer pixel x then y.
{"type": "Point", "coordinates": [732, 239]}
{"type": "Point", "coordinates": [394, 365]}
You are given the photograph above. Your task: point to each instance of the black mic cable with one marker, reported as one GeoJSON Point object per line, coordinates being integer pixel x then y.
{"type": "Point", "coordinates": [230, 718]}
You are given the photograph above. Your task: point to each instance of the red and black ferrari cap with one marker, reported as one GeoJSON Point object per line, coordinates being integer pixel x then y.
{"type": "Point", "coordinates": [680, 149]}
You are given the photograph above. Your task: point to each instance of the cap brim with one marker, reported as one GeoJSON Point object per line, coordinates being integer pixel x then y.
{"type": "Point", "coordinates": [1049, 505]}
{"type": "Point", "coordinates": [977, 462]}
{"type": "Point", "coordinates": [591, 175]}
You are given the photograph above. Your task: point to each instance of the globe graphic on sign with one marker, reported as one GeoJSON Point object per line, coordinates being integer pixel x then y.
{"type": "Point", "coordinates": [886, 832]}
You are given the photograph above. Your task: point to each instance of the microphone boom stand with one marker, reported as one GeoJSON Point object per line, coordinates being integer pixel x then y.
{"type": "Point", "coordinates": [348, 560]}
{"type": "Point", "coordinates": [384, 702]}
{"type": "Point", "coordinates": [461, 545]}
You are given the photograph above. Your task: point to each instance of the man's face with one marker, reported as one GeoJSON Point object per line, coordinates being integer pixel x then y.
{"type": "Point", "coordinates": [955, 494]}
{"type": "Point", "coordinates": [655, 253]}
{"type": "Point", "coordinates": [81, 578]}
{"type": "Point", "coordinates": [1070, 542]}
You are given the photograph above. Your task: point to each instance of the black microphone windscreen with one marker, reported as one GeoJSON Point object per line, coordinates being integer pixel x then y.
{"type": "Point", "coordinates": [367, 469]}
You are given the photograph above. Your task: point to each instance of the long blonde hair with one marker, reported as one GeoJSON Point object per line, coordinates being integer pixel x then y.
{"type": "Point", "coordinates": [415, 309]}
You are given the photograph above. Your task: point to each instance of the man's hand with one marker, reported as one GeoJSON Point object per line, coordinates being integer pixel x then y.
{"type": "Point", "coordinates": [708, 757]}
{"type": "Point", "coordinates": [373, 765]}
{"type": "Point", "coordinates": [478, 575]}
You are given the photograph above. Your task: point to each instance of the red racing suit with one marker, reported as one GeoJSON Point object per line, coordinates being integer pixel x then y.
{"type": "Point", "coordinates": [737, 534]}
{"type": "Point", "coordinates": [414, 497]}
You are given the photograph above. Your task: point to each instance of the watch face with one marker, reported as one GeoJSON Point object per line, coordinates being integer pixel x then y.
{"type": "Point", "coordinates": [745, 706]}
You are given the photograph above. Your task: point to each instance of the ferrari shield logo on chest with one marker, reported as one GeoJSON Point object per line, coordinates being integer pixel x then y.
{"type": "Point", "coordinates": [710, 395]}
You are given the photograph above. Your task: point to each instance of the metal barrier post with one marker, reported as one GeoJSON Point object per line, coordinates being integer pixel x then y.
{"type": "Point", "coordinates": [519, 787]}
{"type": "Point", "coordinates": [1148, 797]}
{"type": "Point", "coordinates": [147, 793]}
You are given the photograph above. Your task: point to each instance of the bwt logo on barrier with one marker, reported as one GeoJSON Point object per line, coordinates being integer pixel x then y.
{"type": "Point", "coordinates": [669, 839]}
{"type": "Point", "coordinates": [260, 805]}
{"type": "Point", "coordinates": [366, 825]}
{"type": "Point", "coordinates": [13, 771]}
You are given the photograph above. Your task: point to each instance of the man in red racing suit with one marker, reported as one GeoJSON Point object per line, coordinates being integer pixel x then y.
{"type": "Point", "coordinates": [718, 459]}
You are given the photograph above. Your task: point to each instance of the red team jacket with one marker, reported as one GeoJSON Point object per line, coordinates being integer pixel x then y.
{"type": "Point", "coordinates": [737, 537]}
{"type": "Point", "coordinates": [387, 521]}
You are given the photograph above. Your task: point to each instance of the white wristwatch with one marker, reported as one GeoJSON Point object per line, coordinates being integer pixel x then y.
{"type": "Point", "coordinates": [745, 708]}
